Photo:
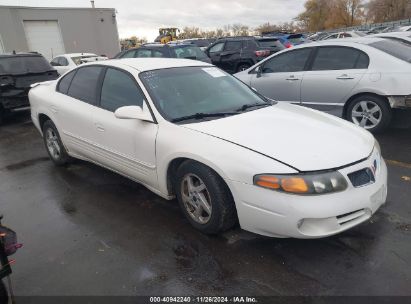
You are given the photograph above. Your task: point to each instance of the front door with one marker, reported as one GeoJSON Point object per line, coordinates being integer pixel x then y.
{"type": "Point", "coordinates": [281, 76]}
{"type": "Point", "coordinates": [125, 145]}
{"type": "Point", "coordinates": [215, 53]}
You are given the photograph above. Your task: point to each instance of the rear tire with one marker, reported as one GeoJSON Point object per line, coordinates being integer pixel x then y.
{"type": "Point", "coordinates": [370, 112]}
{"type": "Point", "coordinates": [204, 198]}
{"type": "Point", "coordinates": [54, 145]}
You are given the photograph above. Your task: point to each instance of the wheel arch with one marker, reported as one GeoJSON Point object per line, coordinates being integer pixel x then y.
{"type": "Point", "coordinates": [177, 161]}
{"type": "Point", "coordinates": [352, 98]}
{"type": "Point", "coordinates": [42, 119]}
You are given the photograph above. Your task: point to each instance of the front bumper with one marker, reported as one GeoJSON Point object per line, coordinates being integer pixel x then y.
{"type": "Point", "coordinates": [276, 214]}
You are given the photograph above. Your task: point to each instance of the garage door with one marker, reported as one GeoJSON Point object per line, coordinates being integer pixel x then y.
{"type": "Point", "coordinates": [44, 37]}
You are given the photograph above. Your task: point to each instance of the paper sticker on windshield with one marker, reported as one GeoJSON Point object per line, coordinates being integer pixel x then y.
{"type": "Point", "coordinates": [214, 72]}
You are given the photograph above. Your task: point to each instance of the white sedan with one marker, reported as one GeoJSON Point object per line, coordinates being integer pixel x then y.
{"type": "Point", "coordinates": [186, 129]}
{"type": "Point", "coordinates": [66, 62]}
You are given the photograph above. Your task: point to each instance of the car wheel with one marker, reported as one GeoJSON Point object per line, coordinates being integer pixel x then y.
{"type": "Point", "coordinates": [370, 112]}
{"type": "Point", "coordinates": [243, 67]}
{"type": "Point", "coordinates": [54, 146]}
{"type": "Point", "coordinates": [204, 198]}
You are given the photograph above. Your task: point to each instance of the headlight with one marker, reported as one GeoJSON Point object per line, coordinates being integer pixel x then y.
{"type": "Point", "coordinates": [304, 184]}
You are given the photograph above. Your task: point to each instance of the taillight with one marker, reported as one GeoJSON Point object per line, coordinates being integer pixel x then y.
{"type": "Point", "coordinates": [288, 45]}
{"type": "Point", "coordinates": [262, 53]}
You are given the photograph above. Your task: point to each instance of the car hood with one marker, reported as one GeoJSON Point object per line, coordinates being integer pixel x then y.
{"type": "Point", "coordinates": [304, 139]}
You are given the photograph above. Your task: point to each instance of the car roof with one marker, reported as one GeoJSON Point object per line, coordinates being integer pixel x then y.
{"type": "Point", "coordinates": [359, 40]}
{"type": "Point", "coordinates": [10, 55]}
{"type": "Point", "coordinates": [149, 64]}
{"type": "Point", "coordinates": [78, 54]}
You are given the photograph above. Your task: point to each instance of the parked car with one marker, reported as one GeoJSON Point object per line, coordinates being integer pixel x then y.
{"type": "Point", "coordinates": [341, 35]}
{"type": "Point", "coordinates": [172, 50]}
{"type": "Point", "coordinates": [378, 29]}
{"type": "Point", "coordinates": [405, 28]}
{"type": "Point", "coordinates": [359, 79]}
{"type": "Point", "coordinates": [290, 40]}
{"type": "Point", "coordinates": [186, 129]}
{"type": "Point", "coordinates": [17, 73]}
{"type": "Point", "coordinates": [66, 62]}
{"type": "Point", "coordinates": [318, 36]}
{"type": "Point", "coordinates": [234, 54]}
{"type": "Point", "coordinates": [201, 43]}
{"type": "Point", "coordinates": [404, 37]}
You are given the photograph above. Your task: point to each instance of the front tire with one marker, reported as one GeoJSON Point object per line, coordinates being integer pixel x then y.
{"type": "Point", "coordinates": [370, 112]}
{"type": "Point", "coordinates": [54, 145]}
{"type": "Point", "coordinates": [204, 198]}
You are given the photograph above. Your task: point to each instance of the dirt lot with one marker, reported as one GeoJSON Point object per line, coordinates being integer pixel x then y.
{"type": "Point", "coordinates": [88, 231]}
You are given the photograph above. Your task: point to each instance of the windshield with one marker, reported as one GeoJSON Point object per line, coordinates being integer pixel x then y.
{"type": "Point", "coordinates": [78, 60]}
{"type": "Point", "coordinates": [23, 65]}
{"type": "Point", "coordinates": [188, 51]}
{"type": "Point", "coordinates": [398, 49]}
{"type": "Point", "coordinates": [180, 92]}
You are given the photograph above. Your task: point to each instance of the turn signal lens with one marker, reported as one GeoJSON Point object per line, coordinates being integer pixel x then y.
{"type": "Point", "coordinates": [304, 184]}
{"type": "Point", "coordinates": [294, 185]}
{"type": "Point", "coordinates": [270, 182]}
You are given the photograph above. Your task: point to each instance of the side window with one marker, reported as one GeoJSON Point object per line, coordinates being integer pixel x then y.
{"type": "Point", "coordinates": [64, 83]}
{"type": "Point", "coordinates": [143, 53]}
{"type": "Point", "coordinates": [338, 58]}
{"type": "Point", "coordinates": [333, 36]}
{"type": "Point", "coordinates": [346, 35]}
{"type": "Point", "coordinates": [55, 61]}
{"type": "Point", "coordinates": [119, 90]}
{"type": "Point", "coordinates": [63, 61]}
{"type": "Point", "coordinates": [232, 46]}
{"type": "Point", "coordinates": [129, 54]}
{"type": "Point", "coordinates": [84, 84]}
{"type": "Point", "coordinates": [217, 48]}
{"type": "Point", "coordinates": [157, 54]}
{"type": "Point", "coordinates": [292, 61]}
{"type": "Point", "coordinates": [249, 44]}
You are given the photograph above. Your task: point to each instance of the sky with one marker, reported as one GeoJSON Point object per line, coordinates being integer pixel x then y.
{"type": "Point", "coordinates": [143, 18]}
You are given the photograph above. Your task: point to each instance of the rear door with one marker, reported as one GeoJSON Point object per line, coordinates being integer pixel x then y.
{"type": "Point", "coordinates": [76, 103]}
{"type": "Point", "coordinates": [281, 75]}
{"type": "Point", "coordinates": [334, 73]}
{"type": "Point", "coordinates": [231, 55]}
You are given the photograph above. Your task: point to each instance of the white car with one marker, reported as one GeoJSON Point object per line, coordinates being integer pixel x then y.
{"type": "Point", "coordinates": [341, 35]}
{"type": "Point", "coordinates": [399, 36]}
{"type": "Point", "coordinates": [186, 129]}
{"type": "Point", "coordinates": [66, 62]}
{"type": "Point", "coordinates": [405, 28]}
{"type": "Point", "coordinates": [360, 79]}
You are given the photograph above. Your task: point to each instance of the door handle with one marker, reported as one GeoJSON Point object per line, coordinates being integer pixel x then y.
{"type": "Point", "coordinates": [345, 77]}
{"type": "Point", "coordinates": [100, 127]}
{"type": "Point", "coordinates": [292, 78]}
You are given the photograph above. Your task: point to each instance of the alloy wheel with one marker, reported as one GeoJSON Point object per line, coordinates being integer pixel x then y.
{"type": "Point", "coordinates": [367, 114]}
{"type": "Point", "coordinates": [196, 198]}
{"type": "Point", "coordinates": [53, 145]}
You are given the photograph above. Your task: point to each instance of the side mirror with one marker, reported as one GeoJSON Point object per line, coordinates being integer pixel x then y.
{"type": "Point", "coordinates": [133, 112]}
{"type": "Point", "coordinates": [258, 70]}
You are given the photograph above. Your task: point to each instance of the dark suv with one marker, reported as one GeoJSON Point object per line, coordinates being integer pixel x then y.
{"type": "Point", "coordinates": [173, 50]}
{"type": "Point", "coordinates": [235, 54]}
{"type": "Point", "coordinates": [17, 73]}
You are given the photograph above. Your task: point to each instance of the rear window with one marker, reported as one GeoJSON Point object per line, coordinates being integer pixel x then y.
{"type": "Point", "coordinates": [296, 39]}
{"type": "Point", "coordinates": [189, 52]}
{"type": "Point", "coordinates": [23, 65]}
{"type": "Point", "coordinates": [272, 43]}
{"type": "Point", "coordinates": [398, 49]}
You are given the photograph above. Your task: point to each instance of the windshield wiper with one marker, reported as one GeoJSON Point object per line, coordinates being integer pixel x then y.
{"type": "Point", "coordinates": [199, 116]}
{"type": "Point", "coordinates": [254, 105]}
